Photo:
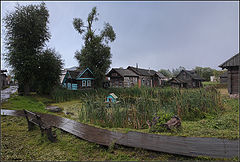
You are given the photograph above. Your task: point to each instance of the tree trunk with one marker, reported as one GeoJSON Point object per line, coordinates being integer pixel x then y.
{"type": "Point", "coordinates": [26, 88]}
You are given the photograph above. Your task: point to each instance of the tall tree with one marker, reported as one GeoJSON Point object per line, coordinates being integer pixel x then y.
{"type": "Point", "coordinates": [204, 72]}
{"type": "Point", "coordinates": [26, 34]}
{"type": "Point", "coordinates": [166, 73]}
{"type": "Point", "coordinates": [50, 65]}
{"type": "Point", "coordinates": [95, 54]}
{"type": "Point", "coordinates": [176, 71]}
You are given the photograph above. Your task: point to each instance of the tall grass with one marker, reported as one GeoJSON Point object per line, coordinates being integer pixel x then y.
{"type": "Point", "coordinates": [137, 105]}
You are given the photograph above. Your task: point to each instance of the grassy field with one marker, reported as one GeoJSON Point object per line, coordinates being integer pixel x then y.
{"type": "Point", "coordinates": [17, 143]}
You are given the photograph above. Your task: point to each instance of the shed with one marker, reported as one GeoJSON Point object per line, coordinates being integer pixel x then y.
{"type": "Point", "coordinates": [187, 79]}
{"type": "Point", "coordinates": [232, 65]}
{"type": "Point", "coordinates": [175, 82]}
{"type": "Point", "coordinates": [111, 98]}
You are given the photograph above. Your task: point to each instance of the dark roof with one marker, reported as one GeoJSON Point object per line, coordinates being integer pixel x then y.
{"type": "Point", "coordinates": [176, 80]}
{"type": "Point", "coordinates": [193, 74]}
{"type": "Point", "coordinates": [142, 72]}
{"type": "Point", "coordinates": [3, 71]}
{"type": "Point", "coordinates": [160, 75]}
{"type": "Point", "coordinates": [74, 74]}
{"type": "Point", "coordinates": [233, 61]}
{"type": "Point", "coordinates": [124, 72]}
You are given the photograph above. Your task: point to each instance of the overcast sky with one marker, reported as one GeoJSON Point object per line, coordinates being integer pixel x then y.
{"type": "Point", "coordinates": [155, 35]}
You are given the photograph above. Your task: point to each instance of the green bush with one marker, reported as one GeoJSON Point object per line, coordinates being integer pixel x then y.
{"type": "Point", "coordinates": [162, 119]}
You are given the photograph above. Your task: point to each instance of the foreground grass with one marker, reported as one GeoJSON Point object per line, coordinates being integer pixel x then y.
{"type": "Point", "coordinates": [19, 144]}
{"type": "Point", "coordinates": [222, 125]}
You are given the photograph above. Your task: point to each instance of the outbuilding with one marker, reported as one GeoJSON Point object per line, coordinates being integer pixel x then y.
{"type": "Point", "coordinates": [232, 65]}
{"type": "Point", "coordinates": [187, 79]}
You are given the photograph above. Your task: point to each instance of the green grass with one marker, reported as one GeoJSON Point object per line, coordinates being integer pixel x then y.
{"type": "Point", "coordinates": [34, 103]}
{"type": "Point", "coordinates": [210, 83]}
{"type": "Point", "coordinates": [224, 124]}
{"type": "Point", "coordinates": [136, 106]}
{"type": "Point", "coordinates": [214, 84]}
{"type": "Point", "coordinates": [25, 102]}
{"type": "Point", "coordinates": [19, 144]}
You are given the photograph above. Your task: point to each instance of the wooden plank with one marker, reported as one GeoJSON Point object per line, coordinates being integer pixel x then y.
{"type": "Point", "coordinates": [190, 146]}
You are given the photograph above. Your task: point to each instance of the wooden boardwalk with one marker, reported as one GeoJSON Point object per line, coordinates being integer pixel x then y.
{"type": "Point", "coordinates": [189, 146]}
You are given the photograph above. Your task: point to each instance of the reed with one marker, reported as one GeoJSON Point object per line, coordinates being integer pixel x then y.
{"type": "Point", "coordinates": [137, 105]}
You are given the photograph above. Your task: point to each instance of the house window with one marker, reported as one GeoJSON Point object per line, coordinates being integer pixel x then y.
{"type": "Point", "coordinates": [84, 83]}
{"type": "Point", "coordinates": [194, 84]}
{"type": "Point", "coordinates": [89, 83]}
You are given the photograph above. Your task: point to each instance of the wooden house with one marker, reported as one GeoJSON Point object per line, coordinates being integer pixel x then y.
{"type": "Point", "coordinates": [78, 79]}
{"type": "Point", "coordinates": [186, 79]}
{"type": "Point", "coordinates": [148, 77]}
{"type": "Point", "coordinates": [3, 79]}
{"type": "Point", "coordinates": [176, 82]}
{"type": "Point", "coordinates": [232, 65]}
{"type": "Point", "coordinates": [120, 77]}
{"type": "Point", "coordinates": [158, 79]}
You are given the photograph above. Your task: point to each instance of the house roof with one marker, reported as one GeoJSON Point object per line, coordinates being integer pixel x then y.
{"type": "Point", "coordinates": [176, 80]}
{"type": "Point", "coordinates": [3, 71]}
{"type": "Point", "coordinates": [77, 73]}
{"type": "Point", "coordinates": [124, 72]}
{"type": "Point", "coordinates": [114, 96]}
{"type": "Point", "coordinates": [233, 61]}
{"type": "Point", "coordinates": [142, 72]}
{"type": "Point", "coordinates": [74, 74]}
{"type": "Point", "coordinates": [160, 75]}
{"type": "Point", "coordinates": [193, 74]}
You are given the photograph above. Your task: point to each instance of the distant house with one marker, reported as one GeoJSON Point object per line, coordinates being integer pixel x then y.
{"type": "Point", "coordinates": [78, 79]}
{"type": "Point", "coordinates": [186, 79]}
{"type": "Point", "coordinates": [148, 77]}
{"type": "Point", "coordinates": [120, 77]}
{"type": "Point", "coordinates": [175, 82]}
{"type": "Point", "coordinates": [132, 76]}
{"type": "Point", "coordinates": [3, 79]}
{"type": "Point", "coordinates": [145, 76]}
{"type": "Point", "coordinates": [214, 79]}
{"type": "Point", "coordinates": [232, 65]}
{"type": "Point", "coordinates": [159, 79]}
{"type": "Point", "coordinates": [224, 78]}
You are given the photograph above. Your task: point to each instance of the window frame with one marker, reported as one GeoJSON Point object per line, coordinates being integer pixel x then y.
{"type": "Point", "coordinates": [89, 84]}
{"type": "Point", "coordinates": [84, 83]}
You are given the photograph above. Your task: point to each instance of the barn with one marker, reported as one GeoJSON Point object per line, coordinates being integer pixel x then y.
{"type": "Point", "coordinates": [232, 65]}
